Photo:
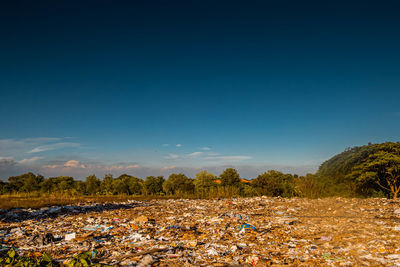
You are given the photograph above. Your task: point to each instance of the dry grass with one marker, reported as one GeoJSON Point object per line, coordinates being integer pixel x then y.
{"type": "Point", "coordinates": [37, 201]}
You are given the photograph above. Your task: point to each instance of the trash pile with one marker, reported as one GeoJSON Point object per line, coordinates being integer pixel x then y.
{"type": "Point", "coordinates": [258, 231]}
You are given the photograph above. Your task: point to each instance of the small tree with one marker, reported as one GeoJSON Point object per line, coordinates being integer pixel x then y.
{"type": "Point", "coordinates": [107, 184]}
{"type": "Point", "coordinates": [274, 183]}
{"type": "Point", "coordinates": [177, 183]}
{"type": "Point", "coordinates": [92, 185]}
{"type": "Point", "coordinates": [154, 185]}
{"type": "Point", "coordinates": [203, 182]}
{"type": "Point", "coordinates": [230, 181]}
{"type": "Point", "coordinates": [135, 185]}
{"type": "Point", "coordinates": [80, 187]}
{"type": "Point", "coordinates": [230, 177]}
{"type": "Point", "coordinates": [381, 168]}
{"type": "Point", "coordinates": [65, 183]}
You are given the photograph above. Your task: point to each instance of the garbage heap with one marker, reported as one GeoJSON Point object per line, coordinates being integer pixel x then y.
{"type": "Point", "coordinates": [259, 231]}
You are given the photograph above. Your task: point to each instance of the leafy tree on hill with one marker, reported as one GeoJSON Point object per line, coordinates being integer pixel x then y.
{"type": "Point", "coordinates": [381, 168]}
{"type": "Point", "coordinates": [364, 170]}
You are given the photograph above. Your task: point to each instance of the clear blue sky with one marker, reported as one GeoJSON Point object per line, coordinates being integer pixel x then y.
{"type": "Point", "coordinates": [115, 86]}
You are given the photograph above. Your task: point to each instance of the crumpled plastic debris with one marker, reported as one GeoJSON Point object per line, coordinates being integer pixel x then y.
{"type": "Point", "coordinates": [257, 231]}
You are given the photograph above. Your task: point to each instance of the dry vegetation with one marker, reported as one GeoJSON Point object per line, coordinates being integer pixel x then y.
{"type": "Point", "coordinates": [39, 201]}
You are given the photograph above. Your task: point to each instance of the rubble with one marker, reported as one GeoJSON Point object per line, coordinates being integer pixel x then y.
{"type": "Point", "coordinates": [258, 231]}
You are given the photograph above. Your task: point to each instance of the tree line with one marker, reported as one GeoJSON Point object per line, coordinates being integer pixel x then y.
{"type": "Point", "coordinates": [372, 170]}
{"type": "Point", "coordinates": [203, 185]}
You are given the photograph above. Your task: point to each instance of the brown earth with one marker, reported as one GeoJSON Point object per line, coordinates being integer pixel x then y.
{"type": "Point", "coordinates": [295, 232]}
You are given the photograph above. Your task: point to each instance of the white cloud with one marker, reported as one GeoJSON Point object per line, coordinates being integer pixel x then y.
{"type": "Point", "coordinates": [205, 148]}
{"type": "Point", "coordinates": [122, 167]}
{"type": "Point", "coordinates": [172, 156]}
{"type": "Point", "coordinates": [30, 160]}
{"type": "Point", "coordinates": [195, 154]}
{"type": "Point", "coordinates": [178, 145]}
{"type": "Point", "coordinates": [134, 166]}
{"type": "Point", "coordinates": [41, 139]}
{"type": "Point", "coordinates": [167, 168]}
{"type": "Point", "coordinates": [74, 164]}
{"type": "Point", "coordinates": [51, 166]}
{"type": "Point", "coordinates": [53, 147]}
{"type": "Point", "coordinates": [228, 158]}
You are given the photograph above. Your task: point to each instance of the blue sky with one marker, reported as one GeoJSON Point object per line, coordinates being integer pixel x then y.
{"type": "Point", "coordinates": [155, 87]}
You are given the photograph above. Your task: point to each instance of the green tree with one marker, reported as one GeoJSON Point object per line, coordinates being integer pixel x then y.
{"type": "Point", "coordinates": [365, 170]}
{"type": "Point", "coordinates": [203, 182]}
{"type": "Point", "coordinates": [230, 177]}
{"type": "Point", "coordinates": [274, 183]}
{"type": "Point", "coordinates": [80, 187]}
{"type": "Point", "coordinates": [65, 184]}
{"type": "Point", "coordinates": [120, 187]}
{"type": "Point", "coordinates": [135, 186]}
{"type": "Point", "coordinates": [27, 182]}
{"type": "Point", "coordinates": [381, 168]}
{"type": "Point", "coordinates": [178, 184]}
{"type": "Point", "coordinates": [128, 185]}
{"type": "Point", "coordinates": [106, 184]}
{"type": "Point", "coordinates": [5, 188]}
{"type": "Point", "coordinates": [16, 182]}
{"type": "Point", "coordinates": [48, 185]}
{"type": "Point", "coordinates": [154, 185]}
{"type": "Point", "coordinates": [230, 182]}
{"type": "Point", "coordinates": [92, 185]}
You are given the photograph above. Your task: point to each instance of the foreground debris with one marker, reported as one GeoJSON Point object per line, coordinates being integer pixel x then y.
{"type": "Point", "coordinates": [257, 231]}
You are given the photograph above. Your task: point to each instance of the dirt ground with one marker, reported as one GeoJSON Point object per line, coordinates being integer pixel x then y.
{"type": "Point", "coordinates": [259, 231]}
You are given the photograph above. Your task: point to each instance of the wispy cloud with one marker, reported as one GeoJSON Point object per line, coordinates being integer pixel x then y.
{"type": "Point", "coordinates": [205, 148]}
{"type": "Point", "coordinates": [172, 156]}
{"type": "Point", "coordinates": [228, 158]}
{"type": "Point", "coordinates": [168, 168]}
{"type": "Point", "coordinates": [53, 147]}
{"type": "Point", "coordinates": [74, 164]}
{"type": "Point", "coordinates": [30, 160]}
{"type": "Point", "coordinates": [41, 139]}
{"type": "Point", "coordinates": [165, 145]}
{"type": "Point", "coordinates": [195, 154]}
{"type": "Point", "coordinates": [122, 167]}
{"type": "Point", "coordinates": [178, 145]}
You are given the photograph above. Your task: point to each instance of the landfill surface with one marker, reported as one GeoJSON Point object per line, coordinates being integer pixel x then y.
{"type": "Point", "coordinates": [259, 231]}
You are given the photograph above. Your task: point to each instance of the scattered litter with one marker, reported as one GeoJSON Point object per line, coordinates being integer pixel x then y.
{"type": "Point", "coordinates": [259, 231]}
{"type": "Point", "coordinates": [70, 236]}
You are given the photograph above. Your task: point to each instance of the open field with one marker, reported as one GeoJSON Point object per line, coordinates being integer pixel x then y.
{"type": "Point", "coordinates": [258, 231]}
{"type": "Point", "coordinates": [26, 201]}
